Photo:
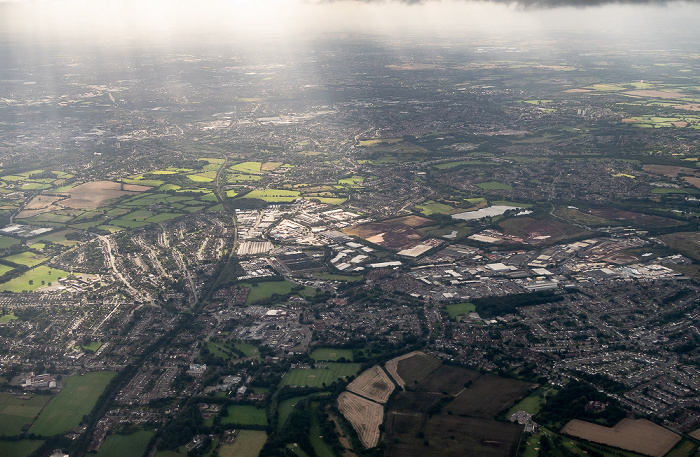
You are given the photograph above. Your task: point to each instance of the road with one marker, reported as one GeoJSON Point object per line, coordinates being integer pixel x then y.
{"type": "Point", "coordinates": [106, 243]}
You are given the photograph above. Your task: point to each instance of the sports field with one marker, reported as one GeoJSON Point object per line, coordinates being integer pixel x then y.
{"type": "Point", "coordinates": [247, 444]}
{"type": "Point", "coordinates": [125, 445]}
{"type": "Point", "coordinates": [318, 377]}
{"type": "Point", "coordinates": [15, 412]}
{"type": "Point", "coordinates": [19, 448]}
{"type": "Point", "coordinates": [330, 354]}
{"type": "Point", "coordinates": [75, 400]}
{"type": "Point", "coordinates": [245, 415]}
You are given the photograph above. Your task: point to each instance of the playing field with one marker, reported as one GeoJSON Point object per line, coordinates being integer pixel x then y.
{"type": "Point", "coordinates": [245, 415]}
{"type": "Point", "coordinates": [247, 444]}
{"type": "Point", "coordinates": [32, 279]}
{"type": "Point", "coordinates": [267, 289]}
{"type": "Point", "coordinates": [15, 412]}
{"type": "Point", "coordinates": [75, 400]}
{"type": "Point", "coordinates": [18, 448]}
{"type": "Point", "coordinates": [6, 241]}
{"type": "Point", "coordinates": [330, 354]}
{"type": "Point", "coordinates": [318, 377]}
{"type": "Point", "coordinates": [495, 185]}
{"type": "Point", "coordinates": [285, 408]}
{"type": "Point", "coordinates": [125, 445]}
{"type": "Point", "coordinates": [274, 195]}
{"type": "Point", "coordinates": [27, 258]}
{"type": "Point", "coordinates": [460, 309]}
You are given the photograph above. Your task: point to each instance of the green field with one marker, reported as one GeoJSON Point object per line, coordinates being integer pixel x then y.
{"type": "Point", "coordinates": [495, 185]}
{"type": "Point", "coordinates": [247, 167]}
{"type": "Point", "coordinates": [6, 241]}
{"type": "Point", "coordinates": [5, 319]}
{"type": "Point", "coordinates": [237, 177]}
{"type": "Point", "coordinates": [664, 190]}
{"type": "Point", "coordinates": [285, 409]}
{"type": "Point", "coordinates": [14, 412]}
{"type": "Point", "coordinates": [328, 200]}
{"type": "Point", "coordinates": [459, 163]}
{"type": "Point", "coordinates": [267, 289]}
{"type": "Point", "coordinates": [432, 207]}
{"type": "Point", "coordinates": [352, 180]}
{"type": "Point", "coordinates": [200, 178]}
{"type": "Point", "coordinates": [325, 374]}
{"type": "Point", "coordinates": [460, 309]}
{"type": "Point", "coordinates": [4, 269]}
{"type": "Point", "coordinates": [331, 354]}
{"type": "Point", "coordinates": [143, 182]}
{"type": "Point", "coordinates": [36, 276]}
{"type": "Point", "coordinates": [245, 415]}
{"type": "Point", "coordinates": [27, 258]}
{"type": "Point", "coordinates": [75, 400]}
{"type": "Point", "coordinates": [248, 444]}
{"type": "Point", "coordinates": [248, 349]}
{"type": "Point", "coordinates": [274, 195]}
{"type": "Point", "coordinates": [93, 346]}
{"type": "Point", "coordinates": [125, 445]}
{"type": "Point", "coordinates": [19, 448]}
{"type": "Point", "coordinates": [532, 403]}
{"type": "Point", "coordinates": [321, 448]}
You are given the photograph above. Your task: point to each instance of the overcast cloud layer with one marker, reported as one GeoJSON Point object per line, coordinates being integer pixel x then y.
{"type": "Point", "coordinates": [168, 19]}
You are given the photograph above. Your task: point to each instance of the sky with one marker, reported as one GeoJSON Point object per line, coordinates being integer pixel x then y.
{"type": "Point", "coordinates": [169, 19]}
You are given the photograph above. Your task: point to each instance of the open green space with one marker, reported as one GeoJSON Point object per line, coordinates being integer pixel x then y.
{"type": "Point", "coordinates": [531, 404]}
{"type": "Point", "coordinates": [331, 354]}
{"type": "Point", "coordinates": [27, 258]}
{"type": "Point", "coordinates": [438, 231]}
{"type": "Point", "coordinates": [494, 185]}
{"type": "Point", "coordinates": [200, 178]}
{"type": "Point", "coordinates": [285, 409]}
{"type": "Point", "coordinates": [355, 179]}
{"type": "Point", "coordinates": [460, 309]}
{"type": "Point", "coordinates": [684, 242]}
{"type": "Point", "coordinates": [34, 279]}
{"type": "Point", "coordinates": [578, 217]}
{"type": "Point", "coordinates": [238, 177]}
{"type": "Point", "coordinates": [266, 289]}
{"type": "Point", "coordinates": [327, 200]}
{"type": "Point", "coordinates": [321, 448]}
{"type": "Point", "coordinates": [432, 207]}
{"type": "Point", "coordinates": [381, 141]}
{"type": "Point", "coordinates": [459, 163]}
{"type": "Point", "coordinates": [21, 448]}
{"type": "Point", "coordinates": [143, 182]}
{"type": "Point", "coordinates": [4, 269]}
{"type": "Point", "coordinates": [7, 241]}
{"type": "Point", "coordinates": [245, 415]}
{"type": "Point", "coordinates": [685, 448]}
{"type": "Point", "coordinates": [324, 374]}
{"type": "Point", "coordinates": [666, 190]}
{"type": "Point", "coordinates": [76, 399]}
{"type": "Point", "coordinates": [247, 167]}
{"type": "Point", "coordinates": [92, 346]}
{"type": "Point", "coordinates": [16, 412]}
{"type": "Point", "coordinates": [248, 443]}
{"type": "Point", "coordinates": [274, 195]}
{"type": "Point", "coordinates": [125, 445]}
{"type": "Point", "coordinates": [248, 349]}
{"type": "Point", "coordinates": [5, 319]}
{"type": "Point", "coordinates": [168, 454]}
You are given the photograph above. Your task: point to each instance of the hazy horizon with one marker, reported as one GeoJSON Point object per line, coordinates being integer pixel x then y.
{"type": "Point", "coordinates": [162, 21]}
